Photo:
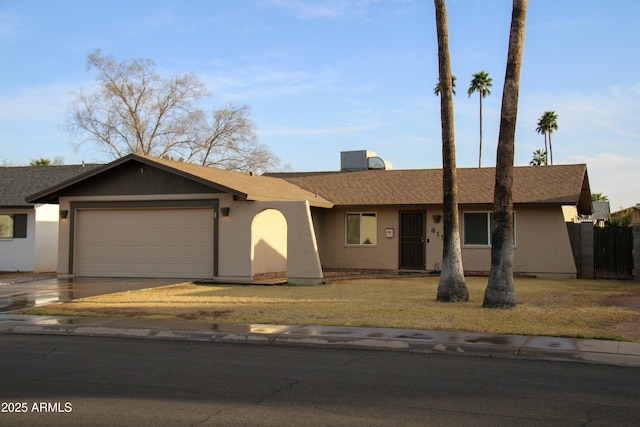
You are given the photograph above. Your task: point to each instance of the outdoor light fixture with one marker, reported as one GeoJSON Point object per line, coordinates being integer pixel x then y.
{"type": "Point", "coordinates": [437, 218]}
{"type": "Point", "coordinates": [64, 214]}
{"type": "Point", "coordinates": [225, 211]}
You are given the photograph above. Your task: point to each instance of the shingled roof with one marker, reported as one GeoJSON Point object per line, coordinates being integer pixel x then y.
{"type": "Point", "coordinates": [242, 185]}
{"type": "Point", "coordinates": [557, 185]}
{"type": "Point", "coordinates": [246, 186]}
{"type": "Point", "coordinates": [543, 185]}
{"type": "Point", "coordinates": [18, 182]}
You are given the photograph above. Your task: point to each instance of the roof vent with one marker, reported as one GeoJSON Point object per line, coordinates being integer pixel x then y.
{"type": "Point", "coordinates": [362, 160]}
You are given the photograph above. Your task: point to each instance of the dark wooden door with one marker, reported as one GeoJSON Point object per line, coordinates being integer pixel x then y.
{"type": "Point", "coordinates": [413, 240]}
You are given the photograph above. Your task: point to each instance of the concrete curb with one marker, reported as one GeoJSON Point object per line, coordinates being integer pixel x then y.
{"type": "Point", "coordinates": [434, 342]}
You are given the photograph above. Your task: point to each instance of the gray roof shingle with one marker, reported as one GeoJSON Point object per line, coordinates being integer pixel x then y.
{"type": "Point", "coordinates": [18, 182]}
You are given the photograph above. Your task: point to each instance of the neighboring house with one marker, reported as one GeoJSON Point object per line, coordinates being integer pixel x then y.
{"type": "Point", "coordinates": [601, 211]}
{"type": "Point", "coordinates": [631, 214]}
{"type": "Point", "coordinates": [599, 217]}
{"type": "Point", "coordinates": [29, 231]}
{"type": "Point", "coordinates": [147, 217]}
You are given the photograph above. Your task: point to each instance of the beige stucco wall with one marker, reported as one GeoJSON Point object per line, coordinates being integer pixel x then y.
{"type": "Point", "coordinates": [237, 259]}
{"type": "Point", "coordinates": [542, 246]}
{"type": "Point", "coordinates": [335, 253]}
{"type": "Point", "coordinates": [542, 243]}
{"type": "Point", "coordinates": [236, 262]}
{"type": "Point", "coordinates": [252, 240]}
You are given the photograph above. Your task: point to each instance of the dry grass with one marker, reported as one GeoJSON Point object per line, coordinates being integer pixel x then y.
{"type": "Point", "coordinates": [570, 308]}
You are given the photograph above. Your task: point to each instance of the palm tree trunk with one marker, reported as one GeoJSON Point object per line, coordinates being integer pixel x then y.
{"type": "Point", "coordinates": [546, 150]}
{"type": "Point", "coordinates": [550, 149]}
{"type": "Point", "coordinates": [480, 152]}
{"type": "Point", "coordinates": [452, 286]}
{"type": "Point", "coordinates": [500, 292]}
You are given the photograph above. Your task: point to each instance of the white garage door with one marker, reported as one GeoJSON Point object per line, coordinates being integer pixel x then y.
{"type": "Point", "coordinates": [171, 243]}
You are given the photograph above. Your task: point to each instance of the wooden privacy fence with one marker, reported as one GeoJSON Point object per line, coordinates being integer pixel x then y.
{"type": "Point", "coordinates": [602, 253]}
{"type": "Point", "coordinates": [613, 253]}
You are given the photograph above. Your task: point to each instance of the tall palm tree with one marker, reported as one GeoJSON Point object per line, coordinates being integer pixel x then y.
{"type": "Point", "coordinates": [501, 292]}
{"type": "Point", "coordinates": [546, 125]}
{"type": "Point", "coordinates": [451, 286]}
{"type": "Point", "coordinates": [480, 83]}
{"type": "Point", "coordinates": [436, 89]}
{"type": "Point", "coordinates": [539, 158]}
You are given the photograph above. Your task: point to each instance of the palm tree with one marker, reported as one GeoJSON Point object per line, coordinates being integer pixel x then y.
{"type": "Point", "coordinates": [539, 158]}
{"type": "Point", "coordinates": [451, 286]}
{"type": "Point", "coordinates": [546, 125]}
{"type": "Point", "coordinates": [436, 89]}
{"type": "Point", "coordinates": [501, 292]}
{"type": "Point", "coordinates": [599, 197]}
{"type": "Point", "coordinates": [481, 83]}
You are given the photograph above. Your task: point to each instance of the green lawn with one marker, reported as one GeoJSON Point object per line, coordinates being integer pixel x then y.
{"type": "Point", "coordinates": [569, 308]}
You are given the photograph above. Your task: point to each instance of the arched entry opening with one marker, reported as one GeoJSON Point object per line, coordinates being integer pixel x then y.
{"type": "Point", "coordinates": [269, 245]}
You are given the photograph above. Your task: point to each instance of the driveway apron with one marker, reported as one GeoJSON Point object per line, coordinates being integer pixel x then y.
{"type": "Point", "coordinates": [35, 294]}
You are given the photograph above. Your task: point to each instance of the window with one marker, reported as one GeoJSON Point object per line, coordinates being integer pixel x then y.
{"type": "Point", "coordinates": [477, 228]}
{"type": "Point", "coordinates": [361, 228]}
{"type": "Point", "coordinates": [13, 226]}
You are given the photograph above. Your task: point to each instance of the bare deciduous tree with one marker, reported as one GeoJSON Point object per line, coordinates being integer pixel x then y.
{"type": "Point", "coordinates": [132, 109]}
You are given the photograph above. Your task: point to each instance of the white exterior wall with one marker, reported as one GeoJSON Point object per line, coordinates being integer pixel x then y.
{"type": "Point", "coordinates": [46, 238]}
{"type": "Point", "coordinates": [19, 254]}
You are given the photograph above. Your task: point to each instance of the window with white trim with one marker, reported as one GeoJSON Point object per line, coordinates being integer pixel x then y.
{"type": "Point", "coordinates": [477, 228]}
{"type": "Point", "coordinates": [361, 228]}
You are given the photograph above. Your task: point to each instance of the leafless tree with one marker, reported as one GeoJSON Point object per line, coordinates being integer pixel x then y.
{"type": "Point", "coordinates": [132, 109]}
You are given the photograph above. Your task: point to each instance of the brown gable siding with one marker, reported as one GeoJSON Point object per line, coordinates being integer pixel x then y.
{"type": "Point", "coordinates": [136, 178]}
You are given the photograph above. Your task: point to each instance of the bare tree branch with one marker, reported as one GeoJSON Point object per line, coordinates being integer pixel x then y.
{"type": "Point", "coordinates": [131, 109]}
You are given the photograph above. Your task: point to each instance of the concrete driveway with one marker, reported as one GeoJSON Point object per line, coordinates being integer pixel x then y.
{"type": "Point", "coordinates": [34, 294]}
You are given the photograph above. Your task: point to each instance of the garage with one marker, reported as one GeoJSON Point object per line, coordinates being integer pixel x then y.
{"type": "Point", "coordinates": [154, 243]}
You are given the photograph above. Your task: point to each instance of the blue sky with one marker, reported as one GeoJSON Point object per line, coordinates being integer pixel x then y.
{"type": "Point", "coordinates": [324, 76]}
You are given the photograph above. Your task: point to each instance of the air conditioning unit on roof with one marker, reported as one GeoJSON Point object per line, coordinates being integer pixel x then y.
{"type": "Point", "coordinates": [362, 160]}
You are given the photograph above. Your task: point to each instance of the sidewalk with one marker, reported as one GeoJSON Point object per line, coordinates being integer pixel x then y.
{"type": "Point", "coordinates": [435, 342]}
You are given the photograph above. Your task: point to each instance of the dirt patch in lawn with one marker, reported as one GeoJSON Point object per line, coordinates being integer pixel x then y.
{"type": "Point", "coordinates": [631, 302]}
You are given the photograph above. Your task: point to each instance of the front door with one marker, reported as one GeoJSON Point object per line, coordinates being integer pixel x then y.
{"type": "Point", "coordinates": [413, 240]}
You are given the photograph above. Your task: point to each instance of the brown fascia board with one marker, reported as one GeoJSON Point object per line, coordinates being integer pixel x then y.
{"type": "Point", "coordinates": [312, 202]}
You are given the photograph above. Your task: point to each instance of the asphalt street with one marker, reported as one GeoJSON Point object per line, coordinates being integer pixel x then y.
{"type": "Point", "coordinates": [75, 380]}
